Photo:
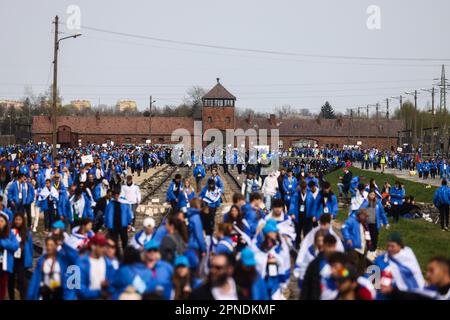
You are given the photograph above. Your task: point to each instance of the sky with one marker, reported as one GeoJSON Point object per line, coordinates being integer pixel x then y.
{"type": "Point", "coordinates": [267, 53]}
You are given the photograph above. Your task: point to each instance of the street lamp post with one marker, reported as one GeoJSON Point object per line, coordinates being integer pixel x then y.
{"type": "Point", "coordinates": [55, 82]}
{"type": "Point", "coordinates": [150, 118]}
{"type": "Point", "coordinates": [414, 138]}
{"type": "Point", "coordinates": [432, 91]}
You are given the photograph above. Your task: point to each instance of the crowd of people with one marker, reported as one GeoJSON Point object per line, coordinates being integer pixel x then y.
{"type": "Point", "coordinates": [245, 252]}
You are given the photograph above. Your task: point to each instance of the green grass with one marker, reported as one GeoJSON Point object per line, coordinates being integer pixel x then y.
{"type": "Point", "coordinates": [420, 191]}
{"type": "Point", "coordinates": [426, 239]}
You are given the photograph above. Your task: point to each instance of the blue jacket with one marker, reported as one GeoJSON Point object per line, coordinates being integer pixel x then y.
{"type": "Point", "coordinates": [310, 206]}
{"type": "Point", "coordinates": [225, 245]}
{"type": "Point", "coordinates": [162, 276]}
{"type": "Point", "coordinates": [10, 244]}
{"type": "Point", "coordinates": [40, 178]}
{"type": "Point", "coordinates": [351, 231]}
{"type": "Point", "coordinates": [126, 215]}
{"type": "Point", "coordinates": [397, 195]}
{"type": "Point", "coordinates": [27, 252]}
{"type": "Point", "coordinates": [136, 275]}
{"type": "Point", "coordinates": [9, 213]}
{"type": "Point", "coordinates": [331, 205]}
{"type": "Point", "coordinates": [259, 289]}
{"type": "Point", "coordinates": [84, 292]}
{"type": "Point", "coordinates": [380, 214]}
{"type": "Point", "coordinates": [182, 201]}
{"type": "Point", "coordinates": [218, 182]}
{"type": "Point", "coordinates": [196, 240]}
{"type": "Point", "coordinates": [67, 211]}
{"type": "Point", "coordinates": [252, 217]}
{"type": "Point", "coordinates": [199, 172]}
{"type": "Point", "coordinates": [171, 196]}
{"type": "Point", "coordinates": [289, 187]}
{"type": "Point", "coordinates": [441, 196]}
{"type": "Point", "coordinates": [97, 192]}
{"type": "Point", "coordinates": [35, 282]}
{"type": "Point", "coordinates": [13, 194]}
{"type": "Point", "coordinates": [212, 198]}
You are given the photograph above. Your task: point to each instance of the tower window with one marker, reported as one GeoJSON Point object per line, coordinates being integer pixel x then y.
{"type": "Point", "coordinates": [228, 120]}
{"type": "Point", "coordinates": [209, 119]}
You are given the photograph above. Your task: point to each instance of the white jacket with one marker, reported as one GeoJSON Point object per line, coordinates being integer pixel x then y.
{"type": "Point", "coordinates": [270, 186]}
{"type": "Point", "coordinates": [131, 193]}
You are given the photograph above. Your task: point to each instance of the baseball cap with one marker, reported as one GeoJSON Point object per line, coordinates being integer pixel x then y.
{"type": "Point", "coordinates": [149, 222]}
{"type": "Point", "coordinates": [248, 257]}
{"type": "Point", "coordinates": [181, 261]}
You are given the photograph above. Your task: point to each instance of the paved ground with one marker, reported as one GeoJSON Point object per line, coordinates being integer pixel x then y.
{"type": "Point", "coordinates": [404, 174]}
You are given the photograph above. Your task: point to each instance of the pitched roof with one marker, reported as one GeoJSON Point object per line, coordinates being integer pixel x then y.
{"type": "Point", "coordinates": [326, 127]}
{"type": "Point", "coordinates": [111, 125]}
{"type": "Point", "coordinates": [219, 92]}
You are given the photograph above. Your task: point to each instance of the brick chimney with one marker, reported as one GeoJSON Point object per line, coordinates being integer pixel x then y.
{"type": "Point", "coordinates": [273, 119]}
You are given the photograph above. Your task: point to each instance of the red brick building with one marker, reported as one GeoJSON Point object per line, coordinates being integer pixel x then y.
{"type": "Point", "coordinates": [218, 112]}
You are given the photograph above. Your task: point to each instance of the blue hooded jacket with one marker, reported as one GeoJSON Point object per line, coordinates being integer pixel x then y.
{"type": "Point", "coordinates": [85, 293]}
{"type": "Point", "coordinates": [126, 215]}
{"type": "Point", "coordinates": [136, 275]}
{"type": "Point", "coordinates": [351, 231]}
{"type": "Point", "coordinates": [380, 214]}
{"type": "Point", "coordinates": [441, 196]}
{"type": "Point", "coordinates": [35, 282]}
{"type": "Point", "coordinates": [10, 244]}
{"type": "Point", "coordinates": [196, 240]}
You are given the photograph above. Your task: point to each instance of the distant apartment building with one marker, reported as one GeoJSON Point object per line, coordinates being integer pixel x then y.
{"type": "Point", "coordinates": [16, 104]}
{"type": "Point", "coordinates": [126, 105]}
{"type": "Point", "coordinates": [81, 104]}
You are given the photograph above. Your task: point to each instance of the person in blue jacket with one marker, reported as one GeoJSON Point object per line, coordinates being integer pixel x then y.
{"type": "Point", "coordinates": [303, 209]}
{"type": "Point", "coordinates": [289, 187]}
{"type": "Point", "coordinates": [50, 278]}
{"type": "Point", "coordinates": [187, 193]}
{"type": "Point", "coordinates": [118, 219]}
{"type": "Point", "coordinates": [184, 281]}
{"type": "Point", "coordinates": [132, 274]}
{"type": "Point", "coordinates": [20, 196]}
{"type": "Point", "coordinates": [6, 210]}
{"type": "Point", "coordinates": [8, 245]}
{"type": "Point", "coordinates": [376, 217]}
{"type": "Point", "coordinates": [253, 213]}
{"type": "Point", "coordinates": [252, 285]}
{"type": "Point", "coordinates": [196, 240]}
{"type": "Point", "coordinates": [441, 200]}
{"type": "Point", "coordinates": [97, 271]}
{"type": "Point", "coordinates": [174, 191]}
{"type": "Point", "coordinates": [224, 243]}
{"type": "Point", "coordinates": [354, 232]}
{"type": "Point", "coordinates": [199, 173]}
{"type": "Point", "coordinates": [217, 180]}
{"type": "Point", "coordinates": [162, 271]}
{"type": "Point", "coordinates": [78, 207]}
{"type": "Point", "coordinates": [23, 257]}
{"type": "Point", "coordinates": [327, 202]}
{"type": "Point", "coordinates": [397, 195]}
{"type": "Point", "coordinates": [212, 196]}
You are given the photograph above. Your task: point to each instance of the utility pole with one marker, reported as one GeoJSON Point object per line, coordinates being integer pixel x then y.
{"type": "Point", "coordinates": [55, 82]}
{"type": "Point", "coordinates": [359, 123]}
{"type": "Point", "coordinates": [376, 119]}
{"type": "Point", "coordinates": [444, 106]}
{"type": "Point", "coordinates": [54, 90]}
{"type": "Point", "coordinates": [367, 111]}
{"type": "Point", "coordinates": [150, 119]}
{"type": "Point", "coordinates": [388, 127]}
{"type": "Point", "coordinates": [432, 122]}
{"type": "Point", "coordinates": [415, 119]}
